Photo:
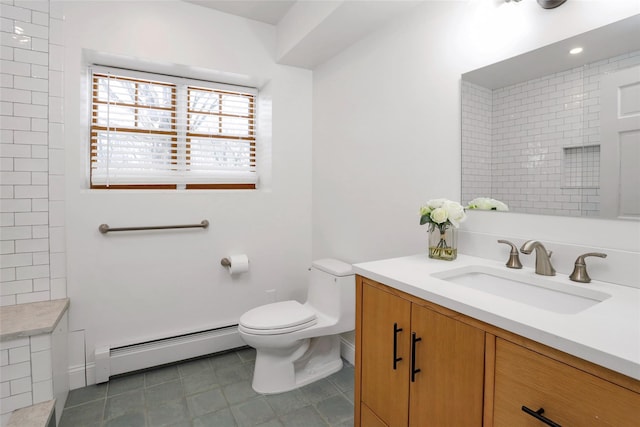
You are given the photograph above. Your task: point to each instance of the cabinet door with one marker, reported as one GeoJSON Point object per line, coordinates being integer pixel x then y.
{"type": "Point", "coordinates": [569, 397]}
{"type": "Point", "coordinates": [385, 389]}
{"type": "Point", "coordinates": [448, 389]}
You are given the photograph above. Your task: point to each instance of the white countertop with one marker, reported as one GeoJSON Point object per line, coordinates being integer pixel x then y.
{"type": "Point", "coordinates": [607, 333]}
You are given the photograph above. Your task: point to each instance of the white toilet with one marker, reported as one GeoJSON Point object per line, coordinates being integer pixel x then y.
{"type": "Point", "coordinates": [297, 344]}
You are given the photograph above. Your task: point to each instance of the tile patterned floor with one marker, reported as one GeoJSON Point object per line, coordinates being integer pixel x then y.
{"type": "Point", "coordinates": [214, 391]}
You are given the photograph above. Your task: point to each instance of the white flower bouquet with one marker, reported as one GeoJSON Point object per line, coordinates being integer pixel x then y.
{"type": "Point", "coordinates": [487, 204]}
{"type": "Point", "coordinates": [442, 213]}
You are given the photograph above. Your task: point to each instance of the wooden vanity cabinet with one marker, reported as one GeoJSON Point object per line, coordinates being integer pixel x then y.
{"type": "Point", "coordinates": [568, 396]}
{"type": "Point", "coordinates": [416, 367]}
{"type": "Point", "coordinates": [460, 372]}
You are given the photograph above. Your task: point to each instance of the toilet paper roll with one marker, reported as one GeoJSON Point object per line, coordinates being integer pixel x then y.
{"type": "Point", "coordinates": [239, 264]}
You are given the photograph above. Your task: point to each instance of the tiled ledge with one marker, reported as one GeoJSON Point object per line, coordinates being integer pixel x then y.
{"type": "Point", "coordinates": [38, 415]}
{"type": "Point", "coordinates": [35, 318]}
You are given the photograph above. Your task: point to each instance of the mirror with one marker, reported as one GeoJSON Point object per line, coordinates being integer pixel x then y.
{"type": "Point", "coordinates": [555, 133]}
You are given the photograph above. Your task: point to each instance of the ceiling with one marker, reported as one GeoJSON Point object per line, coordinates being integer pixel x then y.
{"type": "Point", "coordinates": [268, 11]}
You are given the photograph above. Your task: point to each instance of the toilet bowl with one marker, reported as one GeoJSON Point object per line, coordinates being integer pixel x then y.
{"type": "Point", "coordinates": [297, 344]}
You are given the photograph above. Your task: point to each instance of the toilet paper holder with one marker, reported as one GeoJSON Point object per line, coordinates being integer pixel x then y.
{"type": "Point", "coordinates": [225, 262]}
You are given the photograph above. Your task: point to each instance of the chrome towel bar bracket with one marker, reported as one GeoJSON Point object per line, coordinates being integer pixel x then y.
{"type": "Point", "coordinates": [104, 228]}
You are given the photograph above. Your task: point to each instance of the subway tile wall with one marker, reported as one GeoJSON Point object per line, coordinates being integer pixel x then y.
{"type": "Point", "coordinates": [32, 242]}
{"type": "Point", "coordinates": [535, 126]}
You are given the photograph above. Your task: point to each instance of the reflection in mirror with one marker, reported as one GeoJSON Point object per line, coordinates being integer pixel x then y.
{"type": "Point", "coordinates": [547, 132]}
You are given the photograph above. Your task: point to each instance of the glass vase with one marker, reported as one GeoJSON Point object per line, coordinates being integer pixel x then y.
{"type": "Point", "coordinates": [443, 242]}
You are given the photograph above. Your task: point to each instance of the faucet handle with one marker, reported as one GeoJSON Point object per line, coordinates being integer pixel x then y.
{"type": "Point", "coordinates": [514, 259]}
{"type": "Point", "coordinates": [580, 268]}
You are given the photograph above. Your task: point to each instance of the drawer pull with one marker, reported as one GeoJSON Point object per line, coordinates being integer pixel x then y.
{"type": "Point", "coordinates": [538, 414]}
{"type": "Point", "coordinates": [414, 371]}
{"type": "Point", "coordinates": [396, 359]}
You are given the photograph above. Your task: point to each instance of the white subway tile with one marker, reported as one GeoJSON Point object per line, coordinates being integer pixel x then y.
{"type": "Point", "coordinates": [39, 152]}
{"type": "Point", "coordinates": [13, 205]}
{"type": "Point", "coordinates": [19, 355]}
{"type": "Point", "coordinates": [31, 191]}
{"type": "Point", "coordinates": [17, 13]}
{"type": "Point", "coordinates": [15, 95]}
{"type": "Point", "coordinates": [32, 297]}
{"type": "Point", "coordinates": [33, 272]}
{"type": "Point", "coordinates": [28, 83]}
{"type": "Point", "coordinates": [5, 390]}
{"type": "Point", "coordinates": [56, 32]}
{"type": "Point", "coordinates": [56, 162]}
{"type": "Point", "coordinates": [21, 385]}
{"type": "Point", "coordinates": [15, 178]}
{"type": "Point", "coordinates": [8, 300]}
{"type": "Point", "coordinates": [16, 287]}
{"type": "Point", "coordinates": [16, 260]}
{"type": "Point", "coordinates": [56, 109]}
{"type": "Point", "coordinates": [15, 40]}
{"type": "Point", "coordinates": [42, 391]}
{"type": "Point", "coordinates": [17, 342]}
{"type": "Point", "coordinates": [15, 123]}
{"type": "Point", "coordinates": [40, 258]}
{"type": "Point", "coordinates": [28, 137]}
{"type": "Point", "coordinates": [4, 358]}
{"type": "Point", "coordinates": [56, 187]}
{"type": "Point", "coordinates": [39, 71]}
{"type": "Point", "coordinates": [12, 372]}
{"type": "Point", "coordinates": [39, 98]}
{"type": "Point", "coordinates": [39, 125]}
{"type": "Point", "coordinates": [15, 150]}
{"type": "Point", "coordinates": [16, 401]}
{"type": "Point", "coordinates": [56, 57]}
{"type": "Point", "coordinates": [56, 239]}
{"type": "Point", "coordinates": [31, 57]}
{"type": "Point", "coordinates": [56, 10]}
{"type": "Point", "coordinates": [41, 284]}
{"type": "Point", "coordinates": [6, 52]}
{"type": "Point", "coordinates": [32, 245]}
{"type": "Point", "coordinates": [6, 108]}
{"type": "Point", "coordinates": [39, 205]}
{"type": "Point", "coordinates": [56, 214]}
{"type": "Point", "coordinates": [58, 267]}
{"type": "Point", "coordinates": [40, 45]}
{"type": "Point", "coordinates": [56, 83]}
{"type": "Point", "coordinates": [39, 5]}
{"type": "Point", "coordinates": [40, 18]}
{"type": "Point", "coordinates": [34, 30]}
{"type": "Point", "coordinates": [58, 288]}
{"type": "Point", "coordinates": [15, 68]}
{"type": "Point", "coordinates": [41, 365]}
{"type": "Point", "coordinates": [40, 342]}
{"type": "Point", "coordinates": [39, 178]}
{"type": "Point", "coordinates": [40, 231]}
{"type": "Point", "coordinates": [7, 275]}
{"type": "Point", "coordinates": [56, 135]}
{"type": "Point", "coordinates": [31, 165]}
{"type": "Point", "coordinates": [32, 218]}
{"type": "Point", "coordinates": [6, 164]}
{"type": "Point", "coordinates": [14, 233]}
{"type": "Point", "coordinates": [7, 246]}
{"type": "Point", "coordinates": [6, 80]}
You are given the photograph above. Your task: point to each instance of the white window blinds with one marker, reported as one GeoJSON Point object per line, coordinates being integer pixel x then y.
{"type": "Point", "coordinates": [150, 131]}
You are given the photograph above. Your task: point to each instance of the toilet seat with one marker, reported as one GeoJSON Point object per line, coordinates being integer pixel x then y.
{"type": "Point", "coordinates": [278, 318]}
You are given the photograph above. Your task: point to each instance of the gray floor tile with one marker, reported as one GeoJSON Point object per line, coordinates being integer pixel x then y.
{"type": "Point", "coordinates": [164, 392]}
{"type": "Point", "coordinates": [132, 419]}
{"type": "Point", "coordinates": [247, 354]}
{"type": "Point", "coordinates": [225, 360]}
{"type": "Point", "coordinates": [205, 402]}
{"type": "Point", "coordinates": [232, 374]}
{"type": "Point", "coordinates": [319, 390]}
{"type": "Point", "coordinates": [222, 418]}
{"type": "Point", "coordinates": [125, 384]}
{"type": "Point", "coordinates": [193, 367]}
{"type": "Point", "coordinates": [169, 414]}
{"type": "Point", "coordinates": [161, 375]}
{"type": "Point", "coordinates": [307, 417]}
{"type": "Point", "coordinates": [202, 381]}
{"type": "Point", "coordinates": [345, 423]}
{"type": "Point", "coordinates": [285, 403]}
{"type": "Point", "coordinates": [344, 378]}
{"type": "Point", "coordinates": [335, 409]}
{"type": "Point", "coordinates": [123, 403]}
{"type": "Point", "coordinates": [253, 412]}
{"type": "Point", "coordinates": [86, 415]}
{"type": "Point", "coordinates": [86, 394]}
{"type": "Point", "coordinates": [239, 392]}
{"type": "Point", "coordinates": [272, 423]}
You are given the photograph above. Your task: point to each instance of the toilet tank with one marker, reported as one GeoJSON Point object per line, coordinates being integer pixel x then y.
{"type": "Point", "coordinates": [332, 289]}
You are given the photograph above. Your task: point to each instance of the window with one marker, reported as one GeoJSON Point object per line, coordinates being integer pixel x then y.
{"type": "Point", "coordinates": [154, 131]}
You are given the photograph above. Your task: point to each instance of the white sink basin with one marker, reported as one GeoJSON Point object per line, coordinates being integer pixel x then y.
{"type": "Point", "coordinates": [530, 289]}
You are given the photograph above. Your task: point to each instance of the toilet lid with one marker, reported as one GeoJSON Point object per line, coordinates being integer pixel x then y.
{"type": "Point", "coordinates": [279, 317]}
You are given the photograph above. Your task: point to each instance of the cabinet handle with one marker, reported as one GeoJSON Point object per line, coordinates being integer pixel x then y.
{"type": "Point", "coordinates": [414, 371]}
{"type": "Point", "coordinates": [396, 359]}
{"type": "Point", "coordinates": [538, 414]}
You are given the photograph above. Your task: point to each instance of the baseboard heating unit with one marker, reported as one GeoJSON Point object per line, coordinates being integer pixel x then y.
{"type": "Point", "coordinates": [129, 358]}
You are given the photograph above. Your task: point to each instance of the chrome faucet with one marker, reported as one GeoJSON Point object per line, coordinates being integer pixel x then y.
{"type": "Point", "coordinates": [543, 258]}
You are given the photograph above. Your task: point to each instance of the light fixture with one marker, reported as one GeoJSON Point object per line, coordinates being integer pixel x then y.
{"type": "Point", "coordinates": [575, 50]}
{"type": "Point", "coordinates": [550, 4]}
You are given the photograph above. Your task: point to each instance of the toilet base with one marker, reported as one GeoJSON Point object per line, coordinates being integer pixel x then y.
{"type": "Point", "coordinates": [281, 370]}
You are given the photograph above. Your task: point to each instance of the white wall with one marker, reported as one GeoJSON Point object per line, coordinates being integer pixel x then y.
{"type": "Point", "coordinates": [129, 287]}
{"type": "Point", "coordinates": [386, 126]}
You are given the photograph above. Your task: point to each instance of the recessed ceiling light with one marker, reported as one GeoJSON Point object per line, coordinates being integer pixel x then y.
{"type": "Point", "coordinates": [575, 50]}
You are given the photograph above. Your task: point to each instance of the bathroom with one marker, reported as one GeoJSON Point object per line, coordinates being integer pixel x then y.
{"type": "Point", "coordinates": [330, 183]}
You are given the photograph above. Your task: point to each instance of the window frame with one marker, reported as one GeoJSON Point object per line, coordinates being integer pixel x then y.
{"type": "Point", "coordinates": [180, 133]}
